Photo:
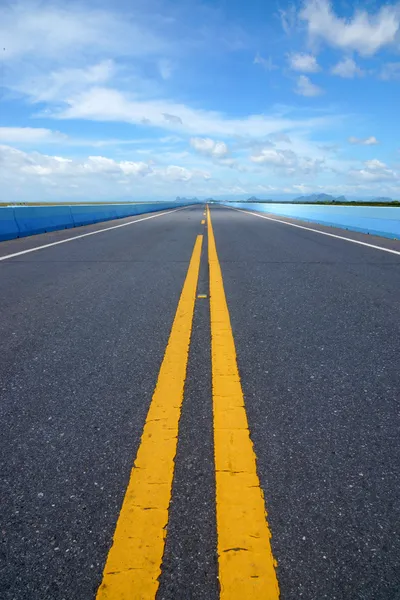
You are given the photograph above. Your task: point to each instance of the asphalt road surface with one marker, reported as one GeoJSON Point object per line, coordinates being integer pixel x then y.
{"type": "Point", "coordinates": [138, 452]}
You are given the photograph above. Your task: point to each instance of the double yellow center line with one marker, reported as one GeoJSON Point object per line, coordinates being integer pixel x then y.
{"type": "Point", "coordinates": [246, 565]}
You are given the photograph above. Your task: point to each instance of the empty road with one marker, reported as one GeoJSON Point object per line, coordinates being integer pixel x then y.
{"type": "Point", "coordinates": [165, 379]}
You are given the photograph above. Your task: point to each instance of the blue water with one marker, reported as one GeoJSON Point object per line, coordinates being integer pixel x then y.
{"type": "Point", "coordinates": [384, 221]}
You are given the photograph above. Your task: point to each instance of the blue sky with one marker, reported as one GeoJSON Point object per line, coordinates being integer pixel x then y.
{"type": "Point", "coordinates": [153, 99]}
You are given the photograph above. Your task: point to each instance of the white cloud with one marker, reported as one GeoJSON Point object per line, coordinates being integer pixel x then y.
{"type": "Point", "coordinates": [172, 118]}
{"type": "Point", "coordinates": [390, 71]}
{"type": "Point", "coordinates": [36, 164]}
{"type": "Point", "coordinates": [63, 83]}
{"type": "Point", "coordinates": [209, 147]}
{"type": "Point", "coordinates": [369, 141]}
{"type": "Point", "coordinates": [374, 171]}
{"type": "Point", "coordinates": [288, 18]}
{"type": "Point", "coordinates": [306, 63]}
{"type": "Point", "coordinates": [29, 175]}
{"type": "Point", "coordinates": [105, 104]}
{"type": "Point", "coordinates": [277, 158]}
{"type": "Point", "coordinates": [232, 163]}
{"type": "Point", "coordinates": [347, 68]}
{"type": "Point", "coordinates": [375, 164]}
{"type": "Point", "coordinates": [176, 173]}
{"type": "Point", "coordinates": [57, 33]}
{"type": "Point", "coordinates": [305, 87]}
{"type": "Point", "coordinates": [266, 63]}
{"type": "Point", "coordinates": [287, 161]}
{"type": "Point", "coordinates": [42, 164]}
{"type": "Point", "coordinates": [280, 137]}
{"type": "Point", "coordinates": [364, 33]}
{"type": "Point", "coordinates": [30, 135]}
{"type": "Point", "coordinates": [134, 168]}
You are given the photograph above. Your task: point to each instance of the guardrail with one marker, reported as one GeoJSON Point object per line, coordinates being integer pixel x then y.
{"type": "Point", "coordinates": [375, 220]}
{"type": "Point", "coordinates": [20, 221]}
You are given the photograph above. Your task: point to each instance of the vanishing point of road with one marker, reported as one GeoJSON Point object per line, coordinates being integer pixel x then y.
{"type": "Point", "coordinates": [197, 404]}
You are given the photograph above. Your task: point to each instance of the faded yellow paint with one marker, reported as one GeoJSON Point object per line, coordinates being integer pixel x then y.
{"type": "Point", "coordinates": [134, 561]}
{"type": "Point", "coordinates": [202, 296]}
{"type": "Point", "coordinates": [246, 563]}
{"type": "Point", "coordinates": [203, 222]}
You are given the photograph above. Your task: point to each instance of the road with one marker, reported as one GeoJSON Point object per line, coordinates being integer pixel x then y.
{"type": "Point", "coordinates": [281, 386]}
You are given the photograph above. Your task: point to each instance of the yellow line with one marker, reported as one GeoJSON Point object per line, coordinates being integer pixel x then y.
{"type": "Point", "coordinates": [246, 564]}
{"type": "Point", "coordinates": [134, 561]}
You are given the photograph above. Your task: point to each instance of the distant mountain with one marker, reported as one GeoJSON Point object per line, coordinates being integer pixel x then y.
{"type": "Point", "coordinates": [320, 198]}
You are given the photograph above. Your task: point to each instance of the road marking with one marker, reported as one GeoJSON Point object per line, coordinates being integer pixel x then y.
{"type": "Point", "coordinates": [77, 237]}
{"type": "Point", "coordinates": [134, 561]}
{"type": "Point", "coordinates": [203, 222]}
{"type": "Point", "coordinates": [246, 564]}
{"type": "Point", "coordinates": [334, 235]}
{"type": "Point", "coordinates": [202, 296]}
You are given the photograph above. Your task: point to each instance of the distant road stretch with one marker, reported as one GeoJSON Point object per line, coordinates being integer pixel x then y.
{"type": "Point", "coordinates": [198, 404]}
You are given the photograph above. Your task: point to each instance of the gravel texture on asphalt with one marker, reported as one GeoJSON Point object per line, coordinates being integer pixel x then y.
{"type": "Point", "coordinates": [83, 330]}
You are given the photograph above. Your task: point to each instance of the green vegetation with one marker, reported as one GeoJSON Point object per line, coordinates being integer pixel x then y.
{"type": "Point", "coordinates": [392, 203]}
{"type": "Point", "coordinates": [327, 200]}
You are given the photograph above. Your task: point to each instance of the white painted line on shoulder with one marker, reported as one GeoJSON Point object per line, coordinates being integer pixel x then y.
{"type": "Point", "coordinates": [82, 235]}
{"type": "Point", "coordinates": [334, 235]}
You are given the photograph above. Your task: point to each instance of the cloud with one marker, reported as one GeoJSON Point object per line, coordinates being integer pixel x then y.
{"type": "Point", "coordinates": [36, 163]}
{"type": "Point", "coordinates": [66, 170]}
{"type": "Point", "coordinates": [363, 32]}
{"type": "Point", "coordinates": [370, 141]}
{"type": "Point", "coordinates": [375, 164]}
{"type": "Point", "coordinates": [329, 148]}
{"type": "Point", "coordinates": [106, 104]}
{"type": "Point", "coordinates": [30, 135]}
{"type": "Point", "coordinates": [347, 68]}
{"type": "Point", "coordinates": [63, 83]}
{"type": "Point", "coordinates": [41, 30]}
{"type": "Point", "coordinates": [41, 164]}
{"type": "Point", "coordinates": [172, 118]}
{"type": "Point", "coordinates": [209, 147]}
{"type": "Point", "coordinates": [280, 137]}
{"type": "Point", "coordinates": [287, 161]}
{"type": "Point", "coordinates": [175, 173]}
{"type": "Point", "coordinates": [25, 173]}
{"type": "Point", "coordinates": [166, 68]}
{"type": "Point", "coordinates": [374, 171]}
{"type": "Point", "coordinates": [390, 71]}
{"type": "Point", "coordinates": [266, 63]}
{"type": "Point", "coordinates": [306, 88]}
{"type": "Point", "coordinates": [288, 19]}
{"type": "Point", "coordinates": [307, 63]}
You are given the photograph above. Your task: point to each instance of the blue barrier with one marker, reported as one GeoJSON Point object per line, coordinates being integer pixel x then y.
{"type": "Point", "coordinates": [40, 219]}
{"type": "Point", "coordinates": [20, 221]}
{"type": "Point", "coordinates": [376, 220]}
{"type": "Point", "coordinates": [8, 225]}
{"type": "Point", "coordinates": [86, 215]}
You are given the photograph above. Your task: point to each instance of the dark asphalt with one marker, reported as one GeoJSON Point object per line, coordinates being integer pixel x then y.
{"type": "Point", "coordinates": [83, 331]}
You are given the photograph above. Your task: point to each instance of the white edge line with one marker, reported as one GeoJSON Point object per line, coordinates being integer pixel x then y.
{"type": "Point", "coordinates": [339, 237]}
{"type": "Point", "coordinates": [82, 235]}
